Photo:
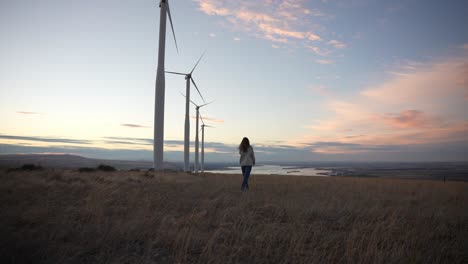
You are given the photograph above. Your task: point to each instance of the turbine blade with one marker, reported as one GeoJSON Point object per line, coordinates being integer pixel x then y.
{"type": "Point", "coordinates": [206, 104]}
{"type": "Point", "coordinates": [179, 73]}
{"type": "Point", "coordinates": [198, 62]}
{"type": "Point", "coordinates": [197, 89]}
{"type": "Point", "coordinates": [172, 25]}
{"type": "Point", "coordinates": [201, 118]}
{"type": "Point", "coordinates": [209, 126]}
{"type": "Point", "coordinates": [189, 99]}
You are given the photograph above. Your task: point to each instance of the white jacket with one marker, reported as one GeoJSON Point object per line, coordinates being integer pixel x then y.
{"type": "Point", "coordinates": [247, 158]}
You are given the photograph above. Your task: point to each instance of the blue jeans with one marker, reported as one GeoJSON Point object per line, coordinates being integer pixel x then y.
{"type": "Point", "coordinates": [246, 173]}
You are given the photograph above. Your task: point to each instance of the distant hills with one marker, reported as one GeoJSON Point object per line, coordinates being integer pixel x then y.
{"type": "Point", "coordinates": [73, 161]}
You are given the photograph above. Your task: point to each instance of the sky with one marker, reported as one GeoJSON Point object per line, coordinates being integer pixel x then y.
{"type": "Point", "coordinates": [324, 80]}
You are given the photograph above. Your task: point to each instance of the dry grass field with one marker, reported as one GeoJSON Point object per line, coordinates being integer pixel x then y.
{"type": "Point", "coordinates": [63, 216]}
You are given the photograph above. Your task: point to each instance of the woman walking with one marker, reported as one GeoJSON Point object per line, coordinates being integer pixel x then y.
{"type": "Point", "coordinates": [247, 160]}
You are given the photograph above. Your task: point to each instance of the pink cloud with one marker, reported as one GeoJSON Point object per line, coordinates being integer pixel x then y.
{"type": "Point", "coordinates": [211, 8]}
{"type": "Point", "coordinates": [318, 50]}
{"type": "Point", "coordinates": [337, 44]}
{"type": "Point", "coordinates": [283, 21]}
{"type": "Point", "coordinates": [456, 132]}
{"type": "Point", "coordinates": [421, 86]}
{"type": "Point", "coordinates": [409, 119]}
{"type": "Point", "coordinates": [270, 29]}
{"type": "Point", "coordinates": [312, 37]}
{"type": "Point", "coordinates": [275, 39]}
{"type": "Point", "coordinates": [425, 104]}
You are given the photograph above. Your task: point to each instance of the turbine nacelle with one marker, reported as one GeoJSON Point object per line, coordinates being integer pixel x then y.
{"type": "Point", "coordinates": [188, 76]}
{"type": "Point", "coordinates": [203, 123]}
{"type": "Point", "coordinates": [197, 107]}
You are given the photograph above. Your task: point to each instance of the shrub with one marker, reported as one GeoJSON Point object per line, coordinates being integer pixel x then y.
{"type": "Point", "coordinates": [103, 167]}
{"type": "Point", "coordinates": [86, 169]}
{"type": "Point", "coordinates": [31, 167]}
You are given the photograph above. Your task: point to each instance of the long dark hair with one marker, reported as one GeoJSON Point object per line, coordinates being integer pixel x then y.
{"type": "Point", "coordinates": [244, 145]}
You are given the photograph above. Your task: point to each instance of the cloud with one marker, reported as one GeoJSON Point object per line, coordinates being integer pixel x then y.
{"type": "Point", "coordinates": [131, 140]}
{"type": "Point", "coordinates": [45, 139]}
{"type": "Point", "coordinates": [237, 39]}
{"type": "Point", "coordinates": [318, 50]}
{"type": "Point", "coordinates": [213, 35]}
{"type": "Point", "coordinates": [409, 119]}
{"type": "Point", "coordinates": [134, 126]}
{"type": "Point", "coordinates": [27, 113]}
{"type": "Point", "coordinates": [109, 143]}
{"type": "Point", "coordinates": [285, 154]}
{"type": "Point", "coordinates": [325, 62]}
{"type": "Point", "coordinates": [279, 21]}
{"type": "Point", "coordinates": [347, 148]}
{"type": "Point", "coordinates": [337, 44]}
{"type": "Point", "coordinates": [276, 39]}
{"type": "Point", "coordinates": [423, 84]}
{"type": "Point", "coordinates": [120, 142]}
{"type": "Point", "coordinates": [425, 104]}
{"type": "Point", "coordinates": [215, 146]}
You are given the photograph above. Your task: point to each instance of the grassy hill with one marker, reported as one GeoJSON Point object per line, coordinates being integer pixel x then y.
{"type": "Point", "coordinates": [63, 216]}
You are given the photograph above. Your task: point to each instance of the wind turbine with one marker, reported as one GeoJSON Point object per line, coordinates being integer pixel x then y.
{"type": "Point", "coordinates": [188, 78]}
{"type": "Point", "coordinates": [197, 108]}
{"type": "Point", "coordinates": [203, 144]}
{"type": "Point", "coordinates": [158, 144]}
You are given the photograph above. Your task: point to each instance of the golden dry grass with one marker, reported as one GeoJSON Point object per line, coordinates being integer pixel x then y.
{"type": "Point", "coordinates": [57, 216]}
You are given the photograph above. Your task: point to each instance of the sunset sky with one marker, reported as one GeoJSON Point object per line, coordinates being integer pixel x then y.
{"type": "Point", "coordinates": [325, 80]}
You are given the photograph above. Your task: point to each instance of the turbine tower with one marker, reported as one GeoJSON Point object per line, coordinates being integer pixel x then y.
{"type": "Point", "coordinates": [158, 147]}
{"type": "Point", "coordinates": [197, 141]}
{"type": "Point", "coordinates": [188, 78]}
{"type": "Point", "coordinates": [203, 144]}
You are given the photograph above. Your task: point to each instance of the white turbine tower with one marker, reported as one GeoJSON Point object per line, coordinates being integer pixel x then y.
{"type": "Point", "coordinates": [158, 154]}
{"type": "Point", "coordinates": [197, 141]}
{"type": "Point", "coordinates": [188, 78]}
{"type": "Point", "coordinates": [203, 144]}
